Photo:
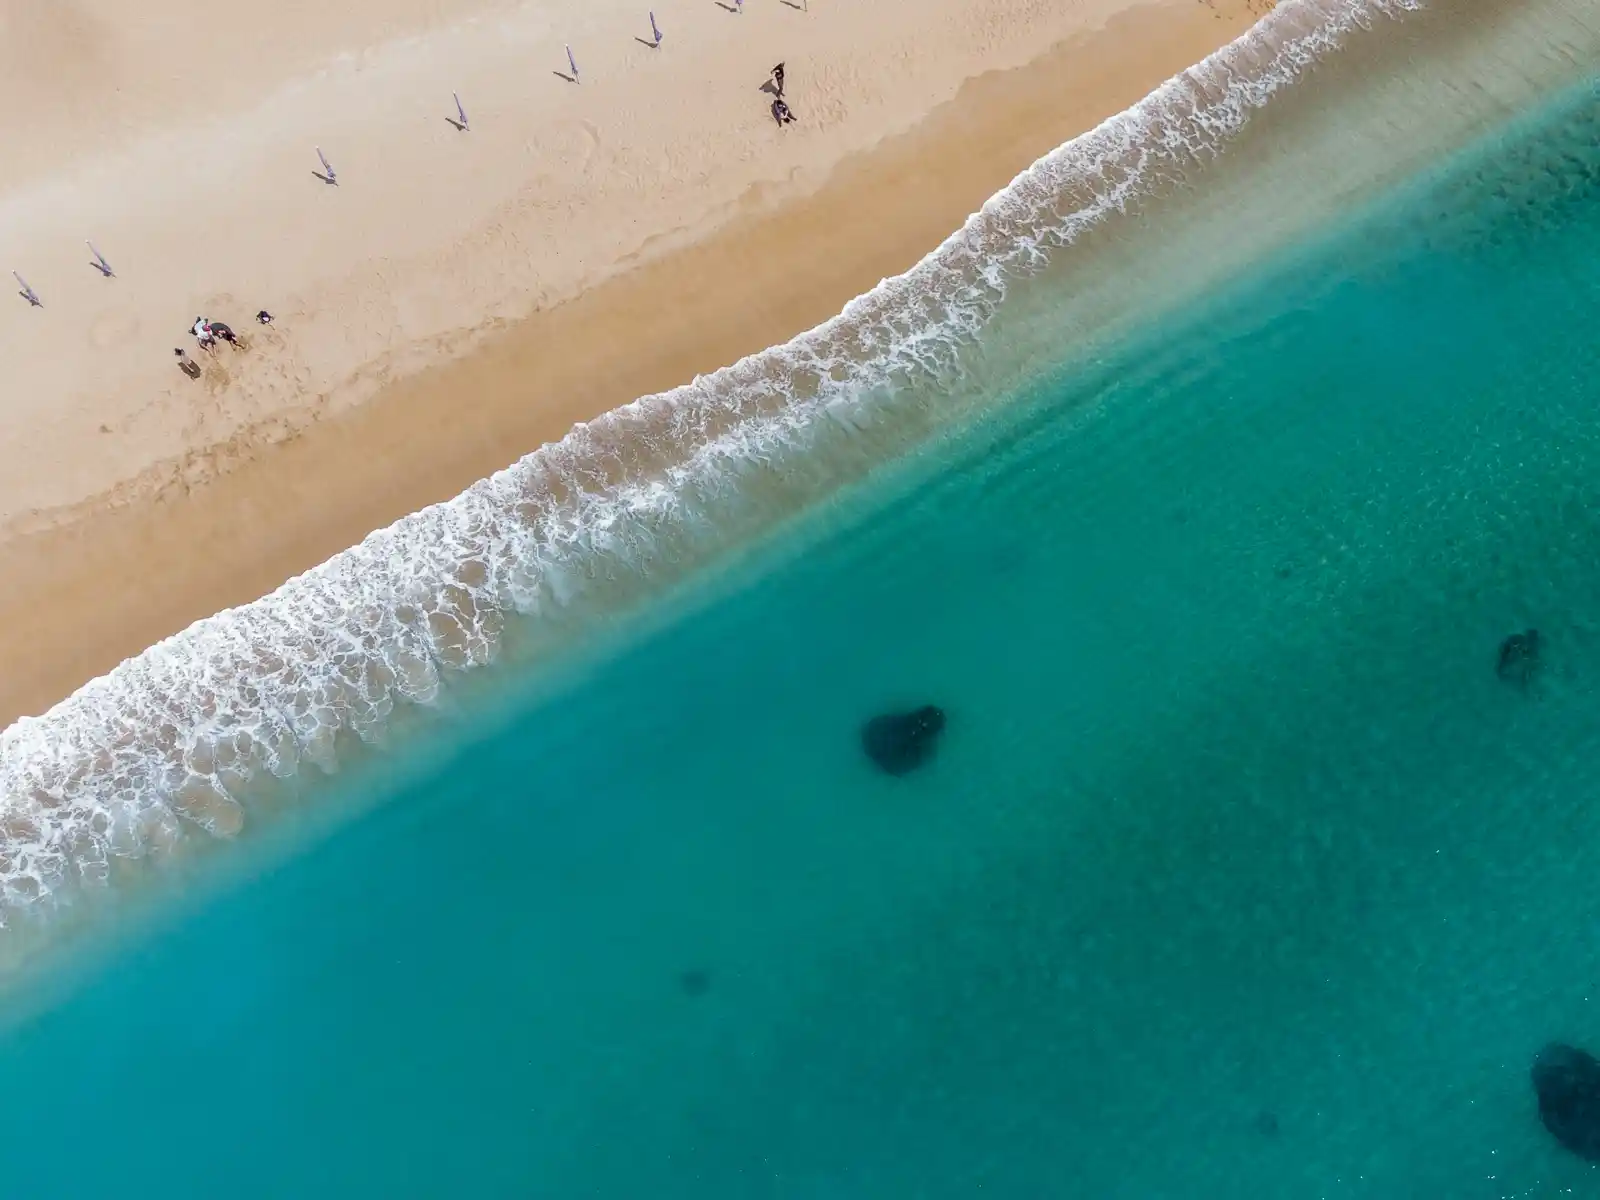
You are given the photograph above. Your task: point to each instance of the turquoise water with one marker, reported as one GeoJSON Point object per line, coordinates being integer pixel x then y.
{"type": "Point", "coordinates": [1237, 873]}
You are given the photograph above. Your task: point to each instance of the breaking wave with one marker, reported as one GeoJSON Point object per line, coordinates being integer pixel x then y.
{"type": "Point", "coordinates": [184, 739]}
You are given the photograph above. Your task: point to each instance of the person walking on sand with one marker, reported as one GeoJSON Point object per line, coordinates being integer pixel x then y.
{"type": "Point", "coordinates": [777, 79]}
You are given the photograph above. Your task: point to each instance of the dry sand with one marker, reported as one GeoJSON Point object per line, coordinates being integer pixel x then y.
{"type": "Point", "coordinates": [458, 298]}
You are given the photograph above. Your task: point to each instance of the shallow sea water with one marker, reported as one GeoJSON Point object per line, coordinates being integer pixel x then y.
{"type": "Point", "coordinates": [1238, 871]}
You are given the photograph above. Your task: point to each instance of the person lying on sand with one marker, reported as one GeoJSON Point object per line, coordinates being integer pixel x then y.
{"type": "Point", "coordinates": [781, 113]}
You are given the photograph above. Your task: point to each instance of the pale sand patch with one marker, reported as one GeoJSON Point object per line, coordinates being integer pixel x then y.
{"type": "Point", "coordinates": [665, 227]}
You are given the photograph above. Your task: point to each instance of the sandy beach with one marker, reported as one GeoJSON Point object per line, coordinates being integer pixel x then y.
{"type": "Point", "coordinates": [459, 298]}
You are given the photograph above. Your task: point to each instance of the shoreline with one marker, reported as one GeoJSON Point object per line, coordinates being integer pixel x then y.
{"type": "Point", "coordinates": [210, 732]}
{"type": "Point", "coordinates": [228, 523]}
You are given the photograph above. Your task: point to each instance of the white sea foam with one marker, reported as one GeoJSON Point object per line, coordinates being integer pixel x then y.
{"type": "Point", "coordinates": [177, 740]}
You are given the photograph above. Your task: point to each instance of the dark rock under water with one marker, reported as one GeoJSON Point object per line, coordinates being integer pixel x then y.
{"type": "Point", "coordinates": [899, 743]}
{"type": "Point", "coordinates": [1519, 658]}
{"type": "Point", "coordinates": [1567, 1082]}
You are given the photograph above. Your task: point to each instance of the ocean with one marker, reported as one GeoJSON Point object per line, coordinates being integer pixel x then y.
{"type": "Point", "coordinates": [1246, 864]}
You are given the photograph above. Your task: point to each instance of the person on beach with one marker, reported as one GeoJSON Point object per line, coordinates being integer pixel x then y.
{"type": "Point", "coordinates": [777, 79]}
{"type": "Point", "coordinates": [186, 364]}
{"type": "Point", "coordinates": [202, 334]}
{"type": "Point", "coordinates": [781, 113]}
{"type": "Point", "coordinates": [264, 317]}
{"type": "Point", "coordinates": [218, 330]}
